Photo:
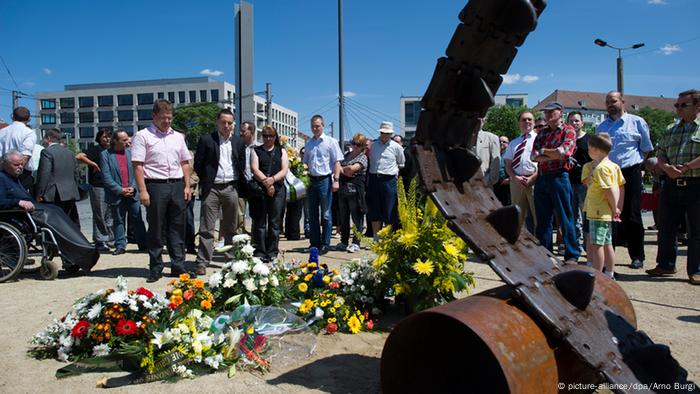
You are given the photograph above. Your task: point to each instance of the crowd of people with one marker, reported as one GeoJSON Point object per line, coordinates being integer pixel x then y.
{"type": "Point", "coordinates": [587, 186]}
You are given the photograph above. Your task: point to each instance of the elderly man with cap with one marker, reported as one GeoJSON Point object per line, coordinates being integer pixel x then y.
{"type": "Point", "coordinates": [552, 149]}
{"type": "Point", "coordinates": [385, 159]}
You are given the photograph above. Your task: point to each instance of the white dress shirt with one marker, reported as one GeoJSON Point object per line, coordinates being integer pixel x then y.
{"type": "Point", "coordinates": [386, 159]}
{"type": "Point", "coordinates": [526, 167]}
{"type": "Point", "coordinates": [21, 138]}
{"type": "Point", "coordinates": [226, 172]}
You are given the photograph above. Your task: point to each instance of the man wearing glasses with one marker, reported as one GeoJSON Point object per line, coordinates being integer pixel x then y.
{"type": "Point", "coordinates": [631, 142]}
{"type": "Point", "coordinates": [679, 158]}
{"type": "Point", "coordinates": [522, 170]}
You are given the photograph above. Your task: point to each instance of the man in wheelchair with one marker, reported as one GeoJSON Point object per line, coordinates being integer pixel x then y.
{"type": "Point", "coordinates": [73, 247]}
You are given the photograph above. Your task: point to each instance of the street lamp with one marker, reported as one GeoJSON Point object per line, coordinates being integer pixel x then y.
{"type": "Point", "coordinates": [620, 80]}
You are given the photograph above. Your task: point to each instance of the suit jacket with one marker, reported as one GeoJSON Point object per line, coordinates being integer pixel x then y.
{"type": "Point", "coordinates": [206, 161]}
{"type": "Point", "coordinates": [56, 177]}
{"type": "Point", "coordinates": [112, 178]}
{"type": "Point", "coordinates": [11, 192]}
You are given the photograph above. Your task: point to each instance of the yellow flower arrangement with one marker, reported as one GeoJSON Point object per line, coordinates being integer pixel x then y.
{"type": "Point", "coordinates": [303, 287]}
{"type": "Point", "coordinates": [354, 324]}
{"type": "Point", "coordinates": [423, 267]}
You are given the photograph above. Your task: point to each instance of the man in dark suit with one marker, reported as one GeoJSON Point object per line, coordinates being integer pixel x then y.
{"type": "Point", "coordinates": [12, 192]}
{"type": "Point", "coordinates": [219, 165]}
{"type": "Point", "coordinates": [121, 193]}
{"type": "Point", "coordinates": [56, 177]}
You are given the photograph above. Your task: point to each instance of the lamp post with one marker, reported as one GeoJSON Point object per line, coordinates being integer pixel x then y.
{"type": "Point", "coordinates": [620, 78]}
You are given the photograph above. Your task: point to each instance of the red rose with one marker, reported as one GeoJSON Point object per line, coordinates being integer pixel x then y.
{"type": "Point", "coordinates": [127, 327]}
{"type": "Point", "coordinates": [144, 291]}
{"type": "Point", "coordinates": [331, 328]}
{"type": "Point", "coordinates": [370, 324]}
{"type": "Point", "coordinates": [172, 306]}
{"type": "Point", "coordinates": [80, 329]}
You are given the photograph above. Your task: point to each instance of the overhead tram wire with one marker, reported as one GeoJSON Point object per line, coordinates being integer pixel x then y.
{"type": "Point", "coordinates": [379, 113]}
{"type": "Point", "coordinates": [318, 110]}
{"type": "Point", "coordinates": [658, 49]}
{"type": "Point", "coordinates": [9, 73]}
{"type": "Point", "coordinates": [366, 129]}
{"type": "Point", "coordinates": [376, 117]}
{"type": "Point", "coordinates": [365, 120]}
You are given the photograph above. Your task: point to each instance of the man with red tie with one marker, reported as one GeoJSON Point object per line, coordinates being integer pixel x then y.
{"type": "Point", "coordinates": [521, 170]}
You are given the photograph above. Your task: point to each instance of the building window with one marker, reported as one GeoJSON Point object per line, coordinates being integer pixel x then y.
{"type": "Point", "coordinates": [145, 98]}
{"type": "Point", "coordinates": [125, 116]}
{"type": "Point", "coordinates": [48, 119]}
{"type": "Point", "coordinates": [171, 97]}
{"type": "Point", "coordinates": [67, 117]}
{"type": "Point", "coordinates": [193, 96]}
{"type": "Point", "coordinates": [129, 129]}
{"type": "Point", "coordinates": [125, 99]}
{"type": "Point", "coordinates": [86, 117]}
{"type": "Point", "coordinates": [68, 131]}
{"type": "Point", "coordinates": [67, 102]}
{"type": "Point", "coordinates": [48, 104]}
{"type": "Point", "coordinates": [105, 116]}
{"type": "Point", "coordinates": [86, 102]}
{"type": "Point", "coordinates": [161, 95]}
{"type": "Point", "coordinates": [203, 96]}
{"type": "Point", "coordinates": [145, 114]}
{"type": "Point", "coordinates": [411, 113]}
{"type": "Point", "coordinates": [215, 95]}
{"type": "Point", "coordinates": [514, 102]}
{"type": "Point", "coordinates": [181, 97]}
{"type": "Point", "coordinates": [105, 101]}
{"type": "Point", "coordinates": [87, 132]}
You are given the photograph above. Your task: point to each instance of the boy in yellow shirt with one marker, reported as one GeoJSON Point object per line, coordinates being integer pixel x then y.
{"type": "Point", "coordinates": [603, 203]}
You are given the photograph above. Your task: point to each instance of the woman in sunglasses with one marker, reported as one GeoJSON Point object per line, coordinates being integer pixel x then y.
{"type": "Point", "coordinates": [352, 193]}
{"type": "Point", "coordinates": [269, 164]}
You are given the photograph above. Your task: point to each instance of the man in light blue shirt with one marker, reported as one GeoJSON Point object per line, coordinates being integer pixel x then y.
{"type": "Point", "coordinates": [322, 155]}
{"type": "Point", "coordinates": [631, 143]}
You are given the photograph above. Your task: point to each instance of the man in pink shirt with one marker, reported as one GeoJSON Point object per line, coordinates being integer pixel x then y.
{"type": "Point", "coordinates": [161, 167]}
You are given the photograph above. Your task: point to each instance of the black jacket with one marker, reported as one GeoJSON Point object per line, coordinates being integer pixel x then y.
{"type": "Point", "coordinates": [206, 161]}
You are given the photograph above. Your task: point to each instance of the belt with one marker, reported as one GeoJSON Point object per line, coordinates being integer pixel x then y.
{"type": "Point", "coordinates": [318, 178]}
{"type": "Point", "coordinates": [225, 184]}
{"type": "Point", "coordinates": [682, 182]}
{"type": "Point", "coordinates": [382, 176]}
{"type": "Point", "coordinates": [168, 180]}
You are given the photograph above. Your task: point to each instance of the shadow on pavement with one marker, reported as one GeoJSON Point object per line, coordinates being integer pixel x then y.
{"type": "Point", "coordinates": [127, 272]}
{"type": "Point", "coordinates": [337, 374]}
{"type": "Point", "coordinates": [690, 319]}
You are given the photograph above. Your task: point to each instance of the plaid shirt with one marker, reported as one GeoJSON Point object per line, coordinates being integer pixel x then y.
{"type": "Point", "coordinates": [681, 144]}
{"type": "Point", "coordinates": [563, 138]}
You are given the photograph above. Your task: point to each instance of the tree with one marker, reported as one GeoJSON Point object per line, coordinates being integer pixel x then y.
{"type": "Point", "coordinates": [195, 120]}
{"type": "Point", "coordinates": [658, 121]}
{"type": "Point", "coordinates": [503, 120]}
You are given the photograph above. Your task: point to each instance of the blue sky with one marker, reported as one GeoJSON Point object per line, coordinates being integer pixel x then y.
{"type": "Point", "coordinates": [390, 48]}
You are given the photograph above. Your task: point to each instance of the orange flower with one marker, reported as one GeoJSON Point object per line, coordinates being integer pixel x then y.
{"type": "Point", "coordinates": [184, 276]}
{"type": "Point", "coordinates": [176, 300]}
{"type": "Point", "coordinates": [205, 304]}
{"type": "Point", "coordinates": [189, 293]}
{"type": "Point", "coordinates": [198, 283]}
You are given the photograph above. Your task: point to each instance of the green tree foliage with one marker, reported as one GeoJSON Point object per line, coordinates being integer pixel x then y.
{"type": "Point", "coordinates": [658, 120]}
{"type": "Point", "coordinates": [195, 120]}
{"type": "Point", "coordinates": [503, 120]}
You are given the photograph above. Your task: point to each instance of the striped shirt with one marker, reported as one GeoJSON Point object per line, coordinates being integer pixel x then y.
{"type": "Point", "coordinates": [681, 144]}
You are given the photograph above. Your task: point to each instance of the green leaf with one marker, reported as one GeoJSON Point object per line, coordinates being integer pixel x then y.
{"type": "Point", "coordinates": [235, 299]}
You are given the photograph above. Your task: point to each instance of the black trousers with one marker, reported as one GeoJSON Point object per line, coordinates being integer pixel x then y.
{"type": "Point", "coordinates": [266, 213]}
{"type": "Point", "coordinates": [630, 231]}
{"type": "Point", "coordinates": [292, 230]}
{"type": "Point", "coordinates": [166, 220]}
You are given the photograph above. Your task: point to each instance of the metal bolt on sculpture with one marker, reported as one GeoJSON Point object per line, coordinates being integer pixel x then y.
{"type": "Point", "coordinates": [552, 324]}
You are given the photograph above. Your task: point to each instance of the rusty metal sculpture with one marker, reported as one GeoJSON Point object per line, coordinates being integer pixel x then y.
{"type": "Point", "coordinates": [553, 325]}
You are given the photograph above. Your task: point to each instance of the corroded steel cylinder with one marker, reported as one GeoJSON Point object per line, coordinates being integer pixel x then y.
{"type": "Point", "coordinates": [485, 343]}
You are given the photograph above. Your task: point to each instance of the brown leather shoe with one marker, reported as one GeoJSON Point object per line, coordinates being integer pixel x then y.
{"type": "Point", "coordinates": [694, 279]}
{"type": "Point", "coordinates": [661, 271]}
{"type": "Point", "coordinates": [200, 270]}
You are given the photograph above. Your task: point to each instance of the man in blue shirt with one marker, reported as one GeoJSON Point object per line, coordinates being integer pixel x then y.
{"type": "Point", "coordinates": [631, 143]}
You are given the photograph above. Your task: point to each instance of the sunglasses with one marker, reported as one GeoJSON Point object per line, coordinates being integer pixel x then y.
{"type": "Point", "coordinates": [268, 136]}
{"type": "Point", "coordinates": [540, 126]}
{"type": "Point", "coordinates": [684, 105]}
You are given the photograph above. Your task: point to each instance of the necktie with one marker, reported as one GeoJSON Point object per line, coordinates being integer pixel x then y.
{"type": "Point", "coordinates": [519, 152]}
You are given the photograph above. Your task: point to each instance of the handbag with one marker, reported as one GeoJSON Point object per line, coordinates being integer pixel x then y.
{"type": "Point", "coordinates": [296, 188]}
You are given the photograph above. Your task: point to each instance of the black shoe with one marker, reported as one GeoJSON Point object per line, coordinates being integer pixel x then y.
{"type": "Point", "coordinates": [102, 248]}
{"type": "Point", "coordinates": [118, 251]}
{"type": "Point", "coordinates": [191, 251]}
{"type": "Point", "coordinates": [637, 264]}
{"type": "Point", "coordinates": [323, 250]}
{"type": "Point", "coordinates": [154, 277]}
{"type": "Point", "coordinates": [176, 274]}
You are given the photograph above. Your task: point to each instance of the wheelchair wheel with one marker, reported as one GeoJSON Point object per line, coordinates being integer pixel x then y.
{"type": "Point", "coordinates": [13, 252]}
{"type": "Point", "coordinates": [48, 270]}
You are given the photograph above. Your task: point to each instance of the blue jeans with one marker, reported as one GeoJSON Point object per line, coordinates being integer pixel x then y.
{"type": "Point", "coordinates": [677, 203]}
{"type": "Point", "coordinates": [579, 196]}
{"type": "Point", "coordinates": [553, 197]}
{"type": "Point", "coordinates": [131, 207]}
{"type": "Point", "coordinates": [319, 196]}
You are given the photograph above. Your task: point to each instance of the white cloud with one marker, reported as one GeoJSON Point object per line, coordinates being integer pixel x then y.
{"type": "Point", "coordinates": [510, 79]}
{"type": "Point", "coordinates": [349, 94]}
{"type": "Point", "coordinates": [211, 73]}
{"type": "Point", "coordinates": [47, 71]}
{"type": "Point", "coordinates": [657, 2]}
{"type": "Point", "coordinates": [669, 49]}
